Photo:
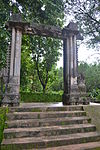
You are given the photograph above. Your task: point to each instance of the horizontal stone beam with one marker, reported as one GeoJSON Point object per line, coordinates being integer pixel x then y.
{"type": "Point", "coordinates": [43, 30]}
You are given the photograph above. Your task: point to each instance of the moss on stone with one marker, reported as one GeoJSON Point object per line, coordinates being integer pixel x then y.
{"type": "Point", "coordinates": [94, 113]}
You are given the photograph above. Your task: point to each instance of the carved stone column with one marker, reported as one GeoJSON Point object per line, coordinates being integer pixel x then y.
{"type": "Point", "coordinates": [74, 90]}
{"type": "Point", "coordinates": [11, 96]}
{"type": "Point", "coordinates": [70, 65]}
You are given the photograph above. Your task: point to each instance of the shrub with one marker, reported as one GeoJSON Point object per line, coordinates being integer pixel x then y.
{"type": "Point", "coordinates": [95, 94]}
{"type": "Point", "coordinates": [2, 121]}
{"type": "Point", "coordinates": [40, 97]}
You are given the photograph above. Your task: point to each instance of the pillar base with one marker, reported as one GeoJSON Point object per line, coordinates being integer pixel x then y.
{"type": "Point", "coordinates": [10, 100]}
{"type": "Point", "coordinates": [75, 99]}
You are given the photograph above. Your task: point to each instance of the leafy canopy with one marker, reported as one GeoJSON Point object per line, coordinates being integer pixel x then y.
{"type": "Point", "coordinates": [87, 15]}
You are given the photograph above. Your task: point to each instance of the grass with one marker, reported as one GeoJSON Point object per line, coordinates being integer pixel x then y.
{"type": "Point", "coordinates": [40, 97]}
{"type": "Point", "coordinates": [2, 121]}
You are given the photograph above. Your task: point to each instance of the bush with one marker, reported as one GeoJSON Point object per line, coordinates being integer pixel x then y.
{"type": "Point", "coordinates": [2, 121]}
{"type": "Point", "coordinates": [95, 94]}
{"type": "Point", "coordinates": [40, 97]}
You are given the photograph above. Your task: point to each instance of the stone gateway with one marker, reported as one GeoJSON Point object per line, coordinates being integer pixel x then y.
{"type": "Point", "coordinates": [11, 75]}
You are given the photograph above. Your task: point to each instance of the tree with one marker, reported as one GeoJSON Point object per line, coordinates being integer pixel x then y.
{"type": "Point", "coordinates": [44, 51]}
{"type": "Point", "coordinates": [56, 79]}
{"type": "Point", "coordinates": [44, 11]}
{"type": "Point", "coordinates": [43, 54]}
{"type": "Point", "coordinates": [92, 75]}
{"type": "Point", "coordinates": [87, 15]}
{"type": "Point", "coordinates": [29, 77]}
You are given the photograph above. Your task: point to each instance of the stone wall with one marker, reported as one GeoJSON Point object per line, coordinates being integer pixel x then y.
{"type": "Point", "coordinates": [94, 113]}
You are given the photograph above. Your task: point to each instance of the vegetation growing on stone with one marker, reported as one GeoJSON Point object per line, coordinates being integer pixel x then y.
{"type": "Point", "coordinates": [2, 121]}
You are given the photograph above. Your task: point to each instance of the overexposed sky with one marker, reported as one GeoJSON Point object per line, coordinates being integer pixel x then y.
{"type": "Point", "coordinates": [84, 54]}
{"type": "Point", "coordinates": [88, 55]}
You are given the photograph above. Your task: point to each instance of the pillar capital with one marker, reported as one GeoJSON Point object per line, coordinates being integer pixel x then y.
{"type": "Point", "coordinates": [17, 23]}
{"type": "Point", "coordinates": [70, 29]}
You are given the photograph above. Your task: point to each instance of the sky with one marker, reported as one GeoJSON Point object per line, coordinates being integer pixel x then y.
{"type": "Point", "coordinates": [84, 54]}
{"type": "Point", "coordinates": [88, 55]}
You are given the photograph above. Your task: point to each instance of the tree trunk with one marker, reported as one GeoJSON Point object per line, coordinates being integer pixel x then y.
{"type": "Point", "coordinates": [44, 88]}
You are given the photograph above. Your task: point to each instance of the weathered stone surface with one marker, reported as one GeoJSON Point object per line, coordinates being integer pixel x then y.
{"type": "Point", "coordinates": [44, 142]}
{"type": "Point", "coordinates": [93, 111]}
{"type": "Point", "coordinates": [33, 115]}
{"type": "Point", "coordinates": [44, 107]}
{"type": "Point", "coordinates": [47, 127]}
{"type": "Point", "coordinates": [48, 131]}
{"type": "Point", "coordinates": [83, 146]}
{"type": "Point", "coordinates": [47, 122]}
{"type": "Point", "coordinates": [69, 37]}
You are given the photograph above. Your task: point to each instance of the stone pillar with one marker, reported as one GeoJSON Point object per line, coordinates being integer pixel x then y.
{"type": "Point", "coordinates": [66, 65]}
{"type": "Point", "coordinates": [75, 55]}
{"type": "Point", "coordinates": [70, 66]}
{"type": "Point", "coordinates": [74, 85]}
{"type": "Point", "coordinates": [73, 66]}
{"type": "Point", "coordinates": [16, 26]}
{"type": "Point", "coordinates": [12, 96]}
{"type": "Point", "coordinates": [13, 41]}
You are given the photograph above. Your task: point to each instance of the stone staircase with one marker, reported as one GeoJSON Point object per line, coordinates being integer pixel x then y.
{"type": "Point", "coordinates": [50, 128]}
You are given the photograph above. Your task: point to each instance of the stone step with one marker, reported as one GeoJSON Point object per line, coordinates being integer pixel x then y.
{"type": "Point", "coordinates": [45, 108]}
{"type": "Point", "coordinates": [83, 146]}
{"type": "Point", "coordinates": [47, 122]}
{"type": "Point", "coordinates": [48, 131]}
{"type": "Point", "coordinates": [40, 115]}
{"type": "Point", "coordinates": [49, 141]}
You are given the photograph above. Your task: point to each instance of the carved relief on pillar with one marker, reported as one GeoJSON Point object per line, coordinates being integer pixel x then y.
{"type": "Point", "coordinates": [73, 66]}
{"type": "Point", "coordinates": [11, 99]}
{"type": "Point", "coordinates": [11, 95]}
{"type": "Point", "coordinates": [81, 83]}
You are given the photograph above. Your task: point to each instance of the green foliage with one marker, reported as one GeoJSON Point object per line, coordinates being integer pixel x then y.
{"type": "Point", "coordinates": [92, 78]}
{"type": "Point", "coordinates": [87, 15]}
{"type": "Point", "coordinates": [6, 8]}
{"type": "Point", "coordinates": [2, 121]}
{"type": "Point", "coordinates": [29, 78]}
{"type": "Point", "coordinates": [55, 82]}
{"type": "Point", "coordinates": [46, 12]}
{"type": "Point", "coordinates": [92, 75]}
{"type": "Point", "coordinates": [30, 81]}
{"type": "Point", "coordinates": [38, 58]}
{"type": "Point", "coordinates": [95, 95]}
{"type": "Point", "coordinates": [40, 97]}
{"type": "Point", "coordinates": [43, 52]}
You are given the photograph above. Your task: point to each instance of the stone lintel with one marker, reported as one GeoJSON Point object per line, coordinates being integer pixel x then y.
{"type": "Point", "coordinates": [41, 29]}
